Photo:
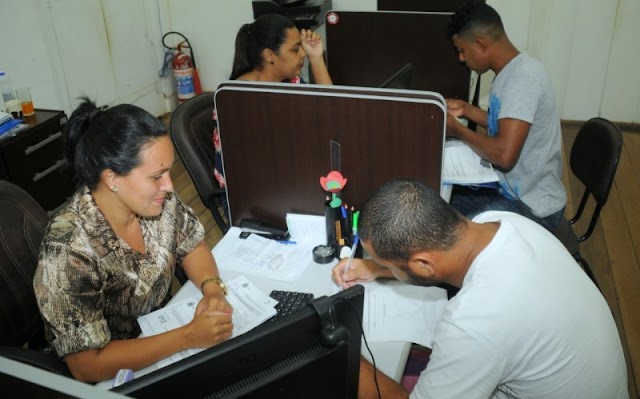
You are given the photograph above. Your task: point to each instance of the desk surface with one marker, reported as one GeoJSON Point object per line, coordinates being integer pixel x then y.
{"type": "Point", "coordinates": [390, 357]}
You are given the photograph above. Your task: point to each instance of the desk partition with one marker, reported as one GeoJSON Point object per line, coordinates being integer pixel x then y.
{"type": "Point", "coordinates": [276, 141]}
{"type": "Point", "coordinates": [364, 48]}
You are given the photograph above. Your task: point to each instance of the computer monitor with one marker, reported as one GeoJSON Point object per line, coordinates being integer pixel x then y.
{"type": "Point", "coordinates": [314, 353]}
{"type": "Point", "coordinates": [401, 79]}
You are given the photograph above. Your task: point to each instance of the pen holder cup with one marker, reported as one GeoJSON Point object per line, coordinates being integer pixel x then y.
{"type": "Point", "coordinates": [339, 232]}
{"type": "Point", "coordinates": [331, 215]}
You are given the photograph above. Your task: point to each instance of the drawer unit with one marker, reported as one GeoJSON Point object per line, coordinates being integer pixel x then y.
{"type": "Point", "coordinates": [34, 159]}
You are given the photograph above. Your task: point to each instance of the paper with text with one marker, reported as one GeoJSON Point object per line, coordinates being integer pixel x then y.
{"type": "Point", "coordinates": [265, 258]}
{"type": "Point", "coordinates": [463, 166]}
{"type": "Point", "coordinates": [395, 312]}
{"type": "Point", "coordinates": [251, 307]}
{"type": "Point", "coordinates": [309, 230]}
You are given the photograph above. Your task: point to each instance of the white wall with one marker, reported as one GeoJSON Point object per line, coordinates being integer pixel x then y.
{"type": "Point", "coordinates": [25, 55]}
{"type": "Point", "coordinates": [590, 47]}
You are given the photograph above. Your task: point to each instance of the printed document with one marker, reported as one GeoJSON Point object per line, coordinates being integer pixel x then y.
{"type": "Point", "coordinates": [251, 307]}
{"type": "Point", "coordinates": [263, 257]}
{"type": "Point", "coordinates": [395, 312]}
{"type": "Point", "coordinates": [463, 166]}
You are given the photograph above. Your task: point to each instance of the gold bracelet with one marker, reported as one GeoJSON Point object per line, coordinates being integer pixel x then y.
{"type": "Point", "coordinates": [216, 280]}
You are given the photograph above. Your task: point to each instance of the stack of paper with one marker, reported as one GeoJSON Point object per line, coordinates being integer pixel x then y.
{"type": "Point", "coordinates": [4, 117]}
{"type": "Point", "coordinates": [262, 257]}
{"type": "Point", "coordinates": [9, 125]}
{"type": "Point", "coordinates": [463, 166]}
{"type": "Point", "coordinates": [251, 307]}
{"type": "Point", "coordinates": [395, 312]}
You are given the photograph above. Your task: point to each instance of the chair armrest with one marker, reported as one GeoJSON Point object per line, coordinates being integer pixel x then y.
{"type": "Point", "coordinates": [42, 360]}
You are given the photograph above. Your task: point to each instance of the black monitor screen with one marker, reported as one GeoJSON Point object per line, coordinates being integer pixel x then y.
{"type": "Point", "coordinates": [314, 353]}
{"type": "Point", "coordinates": [401, 79]}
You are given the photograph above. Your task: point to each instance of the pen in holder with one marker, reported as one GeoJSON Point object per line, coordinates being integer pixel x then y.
{"type": "Point", "coordinates": [331, 215]}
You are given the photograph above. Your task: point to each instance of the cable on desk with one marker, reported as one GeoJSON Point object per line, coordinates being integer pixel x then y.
{"type": "Point", "coordinates": [366, 343]}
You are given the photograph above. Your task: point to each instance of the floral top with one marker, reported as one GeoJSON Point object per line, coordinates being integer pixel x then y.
{"type": "Point", "coordinates": [217, 170]}
{"type": "Point", "coordinates": [91, 286]}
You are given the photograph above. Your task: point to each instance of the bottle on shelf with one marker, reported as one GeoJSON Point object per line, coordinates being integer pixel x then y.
{"type": "Point", "coordinates": [8, 93]}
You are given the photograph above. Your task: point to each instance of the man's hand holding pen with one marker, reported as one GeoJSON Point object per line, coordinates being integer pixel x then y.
{"type": "Point", "coordinates": [360, 271]}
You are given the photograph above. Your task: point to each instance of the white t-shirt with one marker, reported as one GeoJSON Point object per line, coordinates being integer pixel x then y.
{"type": "Point", "coordinates": [526, 323]}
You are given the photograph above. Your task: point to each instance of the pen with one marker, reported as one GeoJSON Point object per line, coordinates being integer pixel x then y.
{"type": "Point", "coordinates": [354, 227]}
{"type": "Point", "coordinates": [345, 219]}
{"type": "Point", "coordinates": [286, 242]}
{"type": "Point", "coordinates": [356, 241]}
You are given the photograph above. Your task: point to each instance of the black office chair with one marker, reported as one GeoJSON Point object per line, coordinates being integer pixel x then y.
{"type": "Point", "coordinates": [191, 130]}
{"type": "Point", "coordinates": [594, 161]}
{"type": "Point", "coordinates": [22, 225]}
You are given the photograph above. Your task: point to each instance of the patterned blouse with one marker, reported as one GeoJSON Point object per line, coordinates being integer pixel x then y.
{"type": "Point", "coordinates": [91, 286]}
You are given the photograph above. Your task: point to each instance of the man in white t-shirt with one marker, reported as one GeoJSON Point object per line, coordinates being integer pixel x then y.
{"type": "Point", "coordinates": [527, 321]}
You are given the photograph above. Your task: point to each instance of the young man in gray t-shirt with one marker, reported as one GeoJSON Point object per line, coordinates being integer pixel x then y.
{"type": "Point", "coordinates": [523, 125]}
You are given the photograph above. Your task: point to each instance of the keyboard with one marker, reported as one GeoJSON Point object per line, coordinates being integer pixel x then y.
{"type": "Point", "coordinates": [289, 302]}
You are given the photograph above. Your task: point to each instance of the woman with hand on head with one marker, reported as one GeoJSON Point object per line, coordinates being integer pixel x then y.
{"type": "Point", "coordinates": [272, 49]}
{"type": "Point", "coordinates": [109, 255]}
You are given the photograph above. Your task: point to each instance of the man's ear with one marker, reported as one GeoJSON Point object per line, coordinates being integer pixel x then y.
{"type": "Point", "coordinates": [482, 43]}
{"type": "Point", "coordinates": [422, 264]}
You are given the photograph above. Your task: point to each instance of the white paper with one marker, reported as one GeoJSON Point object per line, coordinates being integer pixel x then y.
{"type": "Point", "coordinates": [251, 307]}
{"type": "Point", "coordinates": [308, 230]}
{"type": "Point", "coordinates": [264, 258]}
{"type": "Point", "coordinates": [393, 311]}
{"type": "Point", "coordinates": [463, 166]}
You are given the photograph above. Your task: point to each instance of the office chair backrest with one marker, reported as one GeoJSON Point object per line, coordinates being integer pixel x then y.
{"type": "Point", "coordinates": [191, 130]}
{"type": "Point", "coordinates": [595, 155]}
{"type": "Point", "coordinates": [22, 225]}
{"type": "Point", "coordinates": [594, 161]}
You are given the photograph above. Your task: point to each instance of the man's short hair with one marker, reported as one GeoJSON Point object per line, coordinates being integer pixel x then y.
{"type": "Point", "coordinates": [405, 216]}
{"type": "Point", "coordinates": [476, 18]}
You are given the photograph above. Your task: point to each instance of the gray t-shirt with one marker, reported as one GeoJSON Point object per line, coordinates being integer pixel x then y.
{"type": "Point", "coordinates": [522, 90]}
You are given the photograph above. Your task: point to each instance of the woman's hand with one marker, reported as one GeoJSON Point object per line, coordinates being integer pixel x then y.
{"type": "Point", "coordinates": [208, 328]}
{"type": "Point", "coordinates": [213, 300]}
{"type": "Point", "coordinates": [312, 43]}
{"type": "Point", "coordinates": [361, 271]}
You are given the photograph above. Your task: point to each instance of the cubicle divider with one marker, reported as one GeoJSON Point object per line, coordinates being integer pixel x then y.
{"type": "Point", "coordinates": [364, 48]}
{"type": "Point", "coordinates": [276, 141]}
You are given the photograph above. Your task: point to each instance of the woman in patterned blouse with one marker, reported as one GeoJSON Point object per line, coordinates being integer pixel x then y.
{"type": "Point", "coordinates": [109, 255]}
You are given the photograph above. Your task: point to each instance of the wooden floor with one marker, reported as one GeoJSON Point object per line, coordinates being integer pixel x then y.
{"type": "Point", "coordinates": [613, 250]}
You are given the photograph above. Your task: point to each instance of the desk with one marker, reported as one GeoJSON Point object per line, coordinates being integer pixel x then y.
{"type": "Point", "coordinates": [390, 357]}
{"type": "Point", "coordinates": [34, 159]}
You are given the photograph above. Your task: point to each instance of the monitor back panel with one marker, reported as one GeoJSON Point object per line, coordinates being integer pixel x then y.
{"type": "Point", "coordinates": [366, 47]}
{"type": "Point", "coordinates": [276, 144]}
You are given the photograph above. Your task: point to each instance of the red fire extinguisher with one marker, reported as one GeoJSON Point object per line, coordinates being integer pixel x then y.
{"type": "Point", "coordinates": [184, 69]}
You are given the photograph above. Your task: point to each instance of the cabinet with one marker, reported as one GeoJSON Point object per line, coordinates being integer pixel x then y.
{"type": "Point", "coordinates": [34, 159]}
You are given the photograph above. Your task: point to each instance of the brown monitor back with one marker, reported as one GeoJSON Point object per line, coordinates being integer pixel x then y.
{"type": "Point", "coordinates": [364, 48]}
{"type": "Point", "coordinates": [276, 144]}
